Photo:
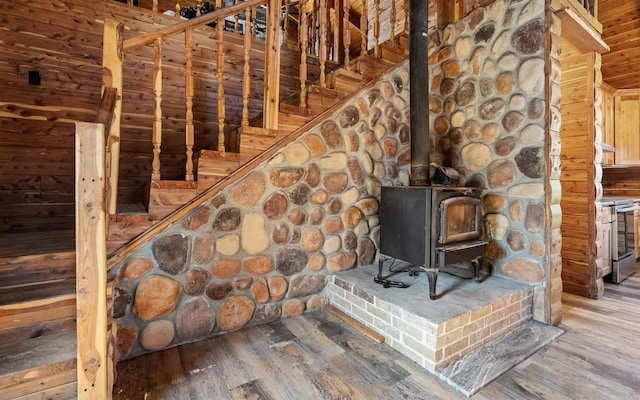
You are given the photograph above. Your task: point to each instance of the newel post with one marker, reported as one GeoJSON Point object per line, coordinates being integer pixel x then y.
{"type": "Point", "coordinates": [91, 263]}
{"type": "Point", "coordinates": [112, 60]}
{"type": "Point", "coordinates": [272, 67]}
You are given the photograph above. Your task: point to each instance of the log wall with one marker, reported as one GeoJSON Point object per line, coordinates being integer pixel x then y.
{"type": "Point", "coordinates": [62, 41]}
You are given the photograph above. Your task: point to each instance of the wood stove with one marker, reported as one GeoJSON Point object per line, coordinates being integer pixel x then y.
{"type": "Point", "coordinates": [431, 227]}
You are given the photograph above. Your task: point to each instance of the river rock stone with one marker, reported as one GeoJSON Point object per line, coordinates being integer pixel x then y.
{"type": "Point", "coordinates": [530, 162]}
{"type": "Point", "coordinates": [277, 287]}
{"type": "Point", "coordinates": [218, 290]}
{"type": "Point", "coordinates": [535, 217]}
{"type": "Point", "coordinates": [202, 249]}
{"type": "Point", "coordinates": [491, 109]}
{"type": "Point", "coordinates": [156, 296]}
{"type": "Point", "coordinates": [317, 302]}
{"type": "Point", "coordinates": [197, 219]}
{"type": "Point", "coordinates": [297, 154]}
{"type": "Point", "coordinates": [319, 197]}
{"type": "Point", "coordinates": [260, 291]}
{"type": "Point", "coordinates": [332, 225]}
{"type": "Point", "coordinates": [529, 38]}
{"type": "Point", "coordinates": [341, 262]}
{"type": "Point", "coordinates": [505, 146]}
{"type": "Point", "coordinates": [527, 191]}
{"type": "Point", "coordinates": [491, 132]}
{"type": "Point", "coordinates": [195, 320]}
{"type": "Point", "coordinates": [501, 173]}
{"type": "Point", "coordinates": [516, 211]}
{"type": "Point", "coordinates": [195, 280]}
{"type": "Point", "coordinates": [292, 308]}
{"type": "Point", "coordinates": [531, 77]}
{"type": "Point", "coordinates": [134, 268]}
{"type": "Point", "coordinates": [512, 121]}
{"type": "Point", "coordinates": [316, 215]}
{"type": "Point", "coordinates": [355, 170]}
{"type": "Point", "coordinates": [228, 245]}
{"type": "Point", "coordinates": [260, 265]}
{"type": "Point", "coordinates": [349, 240]}
{"type": "Point", "coordinates": [335, 182]}
{"type": "Point", "coordinates": [516, 240]}
{"type": "Point", "coordinates": [305, 285]}
{"type": "Point", "coordinates": [351, 217]}
{"type": "Point", "coordinates": [249, 190]}
{"type": "Point", "coordinates": [290, 260]}
{"type": "Point", "coordinates": [311, 239]}
{"type": "Point", "coordinates": [499, 225]}
{"type": "Point", "coordinates": [227, 219]}
{"type": "Point", "coordinates": [451, 68]}
{"type": "Point", "coordinates": [536, 109]}
{"type": "Point", "coordinates": [476, 156]}
{"type": "Point", "coordinates": [266, 313]}
{"type": "Point", "coordinates": [224, 269]}
{"type": "Point", "coordinates": [524, 269]}
{"type": "Point", "coordinates": [121, 301]}
{"type": "Point", "coordinates": [366, 251]}
{"type": "Point", "coordinates": [297, 216]}
{"type": "Point", "coordinates": [403, 134]}
{"type": "Point", "coordinates": [331, 134]}
{"type": "Point", "coordinates": [255, 238]}
{"type": "Point", "coordinates": [156, 335]}
{"type": "Point", "coordinates": [332, 244]}
{"type": "Point", "coordinates": [275, 206]}
{"type": "Point", "coordinates": [125, 338]}
{"type": "Point", "coordinates": [280, 233]}
{"type": "Point", "coordinates": [315, 145]}
{"type": "Point", "coordinates": [170, 252]}
{"type": "Point", "coordinates": [466, 94]}
{"type": "Point", "coordinates": [349, 117]}
{"type": "Point", "coordinates": [505, 83]}
{"type": "Point", "coordinates": [313, 175]}
{"type": "Point", "coordinates": [242, 282]}
{"type": "Point", "coordinates": [495, 201]}
{"type": "Point", "coordinates": [235, 312]}
{"type": "Point", "coordinates": [285, 177]}
{"type": "Point", "coordinates": [494, 251]}
{"type": "Point", "coordinates": [300, 194]}
{"type": "Point", "coordinates": [316, 262]}
{"type": "Point", "coordinates": [485, 33]}
{"type": "Point", "coordinates": [538, 248]}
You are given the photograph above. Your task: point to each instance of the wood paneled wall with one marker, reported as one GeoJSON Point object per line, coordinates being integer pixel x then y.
{"type": "Point", "coordinates": [62, 40]}
{"type": "Point", "coordinates": [578, 174]}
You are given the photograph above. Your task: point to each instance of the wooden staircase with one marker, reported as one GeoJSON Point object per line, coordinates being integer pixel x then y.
{"type": "Point", "coordinates": [37, 291]}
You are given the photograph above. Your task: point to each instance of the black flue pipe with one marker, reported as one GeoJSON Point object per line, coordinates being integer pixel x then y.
{"type": "Point", "coordinates": [419, 92]}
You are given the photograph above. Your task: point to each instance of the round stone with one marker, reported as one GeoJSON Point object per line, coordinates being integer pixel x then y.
{"type": "Point", "coordinates": [134, 268]}
{"type": "Point", "coordinates": [156, 296]}
{"type": "Point", "coordinates": [285, 177]}
{"type": "Point", "coordinates": [225, 268]}
{"type": "Point", "coordinates": [315, 145]}
{"type": "Point", "coordinates": [306, 285]}
{"type": "Point", "coordinates": [366, 251]}
{"type": "Point", "coordinates": [529, 39]}
{"type": "Point", "coordinates": [194, 281]}
{"type": "Point", "coordinates": [275, 206]}
{"type": "Point", "coordinates": [280, 233]}
{"type": "Point", "coordinates": [516, 240]}
{"type": "Point", "coordinates": [255, 238]}
{"type": "Point", "coordinates": [491, 109]}
{"type": "Point", "coordinates": [495, 201]}
{"type": "Point", "coordinates": [466, 94]}
{"type": "Point", "coordinates": [355, 170]}
{"type": "Point", "coordinates": [311, 239]}
{"type": "Point", "coordinates": [316, 262]}
{"type": "Point", "coordinates": [290, 260]}
{"type": "Point", "coordinates": [501, 173]}
{"type": "Point", "coordinates": [300, 194]}
{"type": "Point", "coordinates": [349, 240]}
{"type": "Point", "coordinates": [197, 219]}
{"type": "Point", "coordinates": [476, 156]}
{"type": "Point", "coordinates": [332, 244]}
{"type": "Point", "coordinates": [349, 117]}
{"type": "Point", "coordinates": [341, 262]}
{"type": "Point", "coordinates": [248, 191]}
{"type": "Point", "coordinates": [260, 291]}
{"type": "Point", "coordinates": [335, 182]}
{"type": "Point", "coordinates": [523, 269]}
{"type": "Point", "coordinates": [227, 219]}
{"type": "Point", "coordinates": [331, 134]}
{"type": "Point", "coordinates": [530, 161]}
{"type": "Point", "coordinates": [535, 218]}
{"type": "Point", "coordinates": [202, 249]}
{"type": "Point", "coordinates": [297, 216]}
{"type": "Point", "coordinates": [195, 320]}
{"type": "Point", "coordinates": [505, 146]}
{"type": "Point", "coordinates": [316, 215]}
{"type": "Point", "coordinates": [259, 265]}
{"type": "Point", "coordinates": [491, 132]}
{"type": "Point", "coordinates": [297, 154]}
{"type": "Point", "coordinates": [292, 308]}
{"type": "Point", "coordinates": [218, 290]}
{"type": "Point", "coordinates": [317, 302]}
{"type": "Point", "coordinates": [157, 335]}
{"type": "Point", "coordinates": [266, 313]}
{"type": "Point", "coordinates": [235, 312]}
{"type": "Point", "coordinates": [228, 245]}
{"type": "Point", "coordinates": [277, 287]}
{"type": "Point", "coordinates": [512, 121]}
{"type": "Point", "coordinates": [170, 252]}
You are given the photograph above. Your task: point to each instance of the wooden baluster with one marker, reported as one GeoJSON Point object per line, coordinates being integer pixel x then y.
{"type": "Point", "coordinates": [237, 19]}
{"type": "Point", "coordinates": [304, 47]}
{"type": "Point", "coordinates": [221, 105]}
{"type": "Point", "coordinates": [323, 42]}
{"type": "Point", "coordinates": [154, 6]}
{"type": "Point", "coordinates": [156, 137]}
{"type": "Point", "coordinates": [364, 28]}
{"type": "Point", "coordinates": [392, 22]}
{"type": "Point", "coordinates": [178, 8]}
{"type": "Point", "coordinates": [246, 79]}
{"type": "Point", "coordinates": [347, 34]}
{"type": "Point", "coordinates": [376, 30]}
{"type": "Point", "coordinates": [272, 67]}
{"type": "Point", "coordinates": [337, 47]}
{"type": "Point", "coordinates": [313, 37]}
{"type": "Point", "coordinates": [189, 140]}
{"type": "Point", "coordinates": [286, 25]}
{"type": "Point", "coordinates": [198, 5]}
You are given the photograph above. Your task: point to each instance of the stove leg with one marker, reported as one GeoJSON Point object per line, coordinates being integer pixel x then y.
{"type": "Point", "coordinates": [476, 268]}
{"type": "Point", "coordinates": [432, 276]}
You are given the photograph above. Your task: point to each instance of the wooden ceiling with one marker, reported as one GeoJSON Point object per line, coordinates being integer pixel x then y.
{"type": "Point", "coordinates": [621, 31]}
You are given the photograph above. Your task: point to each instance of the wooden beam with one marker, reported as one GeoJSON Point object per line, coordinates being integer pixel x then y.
{"type": "Point", "coordinates": [272, 67]}
{"type": "Point", "coordinates": [91, 260]}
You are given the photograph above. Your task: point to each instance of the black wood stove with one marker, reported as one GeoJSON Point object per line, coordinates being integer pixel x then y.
{"type": "Point", "coordinates": [431, 227]}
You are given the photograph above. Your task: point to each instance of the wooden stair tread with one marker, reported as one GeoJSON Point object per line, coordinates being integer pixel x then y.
{"type": "Point", "coordinates": [27, 366]}
{"type": "Point", "coordinates": [217, 155]}
{"type": "Point", "coordinates": [37, 291]}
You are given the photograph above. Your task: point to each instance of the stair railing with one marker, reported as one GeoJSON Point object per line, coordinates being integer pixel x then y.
{"type": "Point", "coordinates": [115, 48]}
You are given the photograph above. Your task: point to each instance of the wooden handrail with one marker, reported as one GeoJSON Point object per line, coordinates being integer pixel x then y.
{"type": "Point", "coordinates": [221, 13]}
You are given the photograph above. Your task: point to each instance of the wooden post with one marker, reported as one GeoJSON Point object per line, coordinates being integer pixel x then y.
{"type": "Point", "coordinates": [272, 67]}
{"type": "Point", "coordinates": [156, 137]}
{"type": "Point", "coordinates": [91, 262]}
{"type": "Point", "coordinates": [112, 59]}
{"type": "Point", "coordinates": [376, 30]}
{"type": "Point", "coordinates": [338, 31]}
{"type": "Point", "coordinates": [246, 79]}
{"type": "Point", "coordinates": [303, 38]}
{"type": "Point", "coordinates": [323, 42]}
{"type": "Point", "coordinates": [188, 43]}
{"type": "Point", "coordinates": [364, 27]}
{"type": "Point", "coordinates": [220, 68]}
{"type": "Point", "coordinates": [346, 27]}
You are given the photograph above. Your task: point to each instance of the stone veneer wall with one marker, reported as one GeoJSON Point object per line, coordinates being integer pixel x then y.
{"type": "Point", "coordinates": [262, 249]}
{"type": "Point", "coordinates": [491, 114]}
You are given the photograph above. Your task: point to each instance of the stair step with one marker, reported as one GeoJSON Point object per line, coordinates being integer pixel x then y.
{"type": "Point", "coordinates": [213, 166]}
{"type": "Point", "coordinates": [167, 196]}
{"type": "Point", "coordinates": [371, 67]}
{"type": "Point", "coordinates": [39, 366]}
{"type": "Point", "coordinates": [35, 313]}
{"type": "Point", "coordinates": [37, 268]}
{"type": "Point", "coordinates": [124, 227]}
{"type": "Point", "coordinates": [393, 54]}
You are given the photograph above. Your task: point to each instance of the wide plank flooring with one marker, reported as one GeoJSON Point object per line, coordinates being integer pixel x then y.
{"type": "Point", "coordinates": [316, 356]}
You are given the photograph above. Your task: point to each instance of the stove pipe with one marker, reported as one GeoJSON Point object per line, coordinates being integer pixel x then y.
{"type": "Point", "coordinates": [419, 92]}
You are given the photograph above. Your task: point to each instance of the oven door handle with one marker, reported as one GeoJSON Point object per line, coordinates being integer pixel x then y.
{"type": "Point", "coordinates": [627, 209]}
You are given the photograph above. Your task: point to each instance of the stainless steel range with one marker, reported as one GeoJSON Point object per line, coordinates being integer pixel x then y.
{"type": "Point", "coordinates": [623, 256]}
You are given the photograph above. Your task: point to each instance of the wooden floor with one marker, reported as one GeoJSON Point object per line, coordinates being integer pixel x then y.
{"type": "Point", "coordinates": [316, 356]}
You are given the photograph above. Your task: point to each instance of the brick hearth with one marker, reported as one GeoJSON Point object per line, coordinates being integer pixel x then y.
{"type": "Point", "coordinates": [433, 333]}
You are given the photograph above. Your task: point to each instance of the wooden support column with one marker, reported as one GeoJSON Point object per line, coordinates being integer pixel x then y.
{"type": "Point", "coordinates": [91, 262]}
{"type": "Point", "coordinates": [246, 79]}
{"type": "Point", "coordinates": [189, 140]}
{"type": "Point", "coordinates": [303, 38]}
{"type": "Point", "coordinates": [323, 42]}
{"type": "Point", "coordinates": [272, 67]}
{"type": "Point", "coordinates": [156, 137]}
{"type": "Point", "coordinates": [112, 59]}
{"type": "Point", "coordinates": [346, 26]}
{"type": "Point", "coordinates": [220, 66]}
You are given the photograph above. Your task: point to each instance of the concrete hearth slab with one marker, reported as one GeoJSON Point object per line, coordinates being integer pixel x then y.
{"type": "Point", "coordinates": [480, 367]}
